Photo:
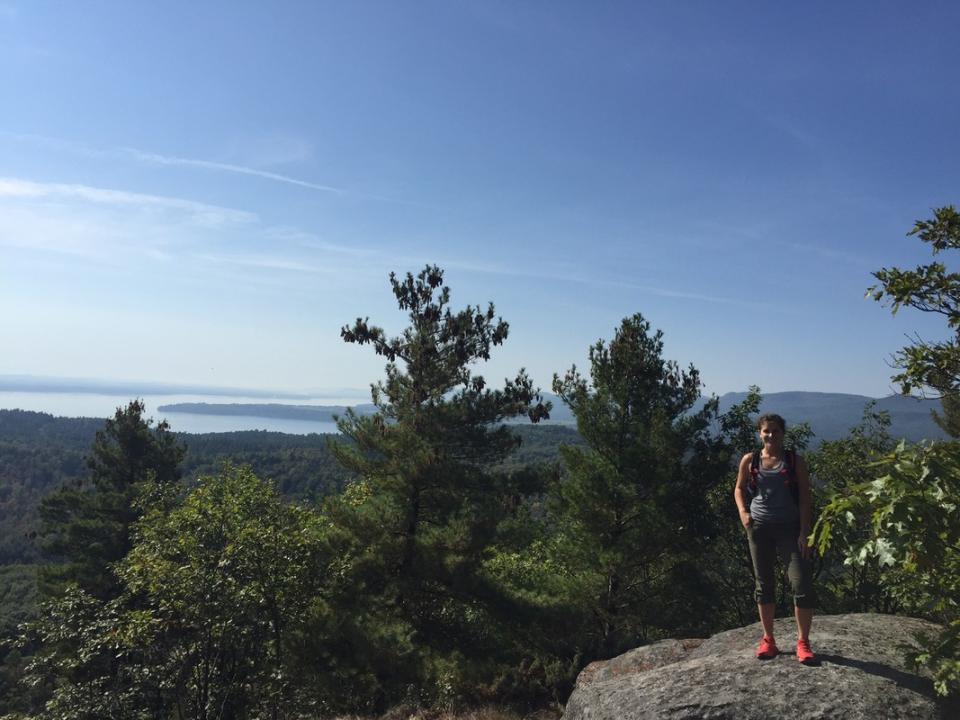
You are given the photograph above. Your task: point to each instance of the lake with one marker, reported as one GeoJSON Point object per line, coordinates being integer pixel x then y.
{"type": "Point", "coordinates": [104, 405]}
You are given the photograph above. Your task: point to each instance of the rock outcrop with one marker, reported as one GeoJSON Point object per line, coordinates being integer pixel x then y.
{"type": "Point", "coordinates": [861, 674]}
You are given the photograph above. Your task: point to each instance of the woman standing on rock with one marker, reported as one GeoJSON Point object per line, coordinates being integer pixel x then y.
{"type": "Point", "coordinates": [773, 497]}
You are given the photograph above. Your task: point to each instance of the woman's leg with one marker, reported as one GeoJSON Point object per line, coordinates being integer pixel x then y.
{"type": "Point", "coordinates": [767, 614]}
{"type": "Point", "coordinates": [804, 621]}
{"type": "Point", "coordinates": [800, 573]}
{"type": "Point", "coordinates": [763, 552]}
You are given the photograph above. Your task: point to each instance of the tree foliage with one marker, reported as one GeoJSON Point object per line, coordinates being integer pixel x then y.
{"type": "Point", "coordinates": [451, 568]}
{"type": "Point", "coordinates": [931, 288]}
{"type": "Point", "coordinates": [631, 502]}
{"type": "Point", "coordinates": [906, 519]}
{"type": "Point", "coordinates": [431, 493]}
{"type": "Point", "coordinates": [838, 466]}
{"type": "Point", "coordinates": [88, 525]}
{"type": "Point", "coordinates": [216, 592]}
{"type": "Point", "coordinates": [912, 522]}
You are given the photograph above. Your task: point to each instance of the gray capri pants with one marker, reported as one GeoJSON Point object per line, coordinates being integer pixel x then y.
{"type": "Point", "coordinates": [766, 541]}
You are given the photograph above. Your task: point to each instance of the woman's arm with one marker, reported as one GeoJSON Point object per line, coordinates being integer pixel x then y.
{"type": "Point", "coordinates": [743, 475]}
{"type": "Point", "coordinates": [802, 473]}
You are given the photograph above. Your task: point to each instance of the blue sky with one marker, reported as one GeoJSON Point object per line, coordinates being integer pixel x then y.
{"type": "Point", "coordinates": [204, 193]}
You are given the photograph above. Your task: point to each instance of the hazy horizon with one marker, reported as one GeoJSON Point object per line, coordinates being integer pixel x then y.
{"type": "Point", "coordinates": [43, 384]}
{"type": "Point", "coordinates": [836, 409]}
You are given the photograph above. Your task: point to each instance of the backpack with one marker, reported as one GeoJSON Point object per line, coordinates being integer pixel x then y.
{"type": "Point", "coordinates": [788, 470]}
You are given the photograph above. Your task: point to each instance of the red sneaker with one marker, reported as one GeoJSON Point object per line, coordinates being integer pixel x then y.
{"type": "Point", "coordinates": [767, 649]}
{"type": "Point", "coordinates": [804, 653]}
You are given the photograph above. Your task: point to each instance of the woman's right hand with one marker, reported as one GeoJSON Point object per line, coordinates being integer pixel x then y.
{"type": "Point", "coordinates": [745, 518]}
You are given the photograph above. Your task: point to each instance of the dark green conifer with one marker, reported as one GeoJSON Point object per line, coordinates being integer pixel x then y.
{"type": "Point", "coordinates": [430, 495]}
{"type": "Point", "coordinates": [85, 528]}
{"type": "Point", "coordinates": [629, 505]}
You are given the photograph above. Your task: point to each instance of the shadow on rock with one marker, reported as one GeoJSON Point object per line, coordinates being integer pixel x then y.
{"type": "Point", "coordinates": [900, 677]}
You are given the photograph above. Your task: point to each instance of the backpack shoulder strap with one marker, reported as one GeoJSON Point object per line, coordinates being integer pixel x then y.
{"type": "Point", "coordinates": [754, 472]}
{"type": "Point", "coordinates": [790, 460]}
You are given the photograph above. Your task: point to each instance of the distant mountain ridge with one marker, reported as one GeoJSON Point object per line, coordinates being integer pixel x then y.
{"type": "Point", "coordinates": [831, 415]}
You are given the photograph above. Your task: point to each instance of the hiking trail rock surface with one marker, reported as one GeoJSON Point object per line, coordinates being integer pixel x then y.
{"type": "Point", "coordinates": [862, 674]}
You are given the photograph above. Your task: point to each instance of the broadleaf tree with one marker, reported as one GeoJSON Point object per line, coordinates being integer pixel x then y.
{"type": "Point", "coordinates": [906, 520]}
{"type": "Point", "coordinates": [217, 592]}
{"type": "Point", "coordinates": [839, 465]}
{"type": "Point", "coordinates": [931, 288]}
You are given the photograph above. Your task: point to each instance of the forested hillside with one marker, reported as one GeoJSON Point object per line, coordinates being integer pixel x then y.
{"type": "Point", "coordinates": [40, 452]}
{"type": "Point", "coordinates": [436, 554]}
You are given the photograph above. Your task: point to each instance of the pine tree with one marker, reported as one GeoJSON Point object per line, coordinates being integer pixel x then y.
{"type": "Point", "coordinates": [630, 503]}
{"type": "Point", "coordinates": [430, 495]}
{"type": "Point", "coordinates": [86, 528]}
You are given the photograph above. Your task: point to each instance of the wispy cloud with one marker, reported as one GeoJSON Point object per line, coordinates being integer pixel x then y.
{"type": "Point", "coordinates": [202, 213]}
{"type": "Point", "coordinates": [85, 149]}
{"type": "Point", "coordinates": [270, 150]}
{"type": "Point", "coordinates": [266, 262]}
{"type": "Point", "coordinates": [831, 254]}
{"type": "Point", "coordinates": [354, 251]}
{"type": "Point", "coordinates": [116, 226]}
{"type": "Point", "coordinates": [267, 155]}
{"type": "Point", "coordinates": [579, 278]}
{"type": "Point", "coordinates": [226, 167]}
{"type": "Point", "coordinates": [49, 232]}
{"type": "Point", "coordinates": [298, 251]}
{"type": "Point", "coordinates": [169, 160]}
{"type": "Point", "coordinates": [109, 227]}
{"type": "Point", "coordinates": [681, 294]}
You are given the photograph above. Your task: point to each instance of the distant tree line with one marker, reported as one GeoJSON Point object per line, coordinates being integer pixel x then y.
{"type": "Point", "coordinates": [438, 571]}
{"type": "Point", "coordinates": [40, 453]}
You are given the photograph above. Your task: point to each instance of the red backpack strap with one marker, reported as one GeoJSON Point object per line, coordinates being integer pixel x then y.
{"type": "Point", "coordinates": [754, 470]}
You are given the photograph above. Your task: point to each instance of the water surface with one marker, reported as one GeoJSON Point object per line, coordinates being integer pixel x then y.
{"type": "Point", "coordinates": [104, 405]}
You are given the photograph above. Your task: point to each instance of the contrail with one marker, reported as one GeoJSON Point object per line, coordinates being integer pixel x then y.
{"type": "Point", "coordinates": [240, 169]}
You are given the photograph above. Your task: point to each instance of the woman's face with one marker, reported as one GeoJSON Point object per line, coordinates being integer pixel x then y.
{"type": "Point", "coordinates": [771, 435]}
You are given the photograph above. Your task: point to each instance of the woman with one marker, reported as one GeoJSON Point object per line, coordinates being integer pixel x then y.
{"type": "Point", "coordinates": [773, 497]}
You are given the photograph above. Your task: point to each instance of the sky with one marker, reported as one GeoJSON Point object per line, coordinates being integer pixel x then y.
{"type": "Point", "coordinates": [205, 193]}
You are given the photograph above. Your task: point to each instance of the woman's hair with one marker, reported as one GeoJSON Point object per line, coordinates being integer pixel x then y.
{"type": "Point", "coordinates": [774, 418]}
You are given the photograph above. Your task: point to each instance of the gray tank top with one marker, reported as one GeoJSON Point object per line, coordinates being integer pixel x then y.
{"type": "Point", "coordinates": [774, 501]}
